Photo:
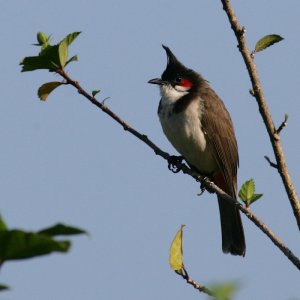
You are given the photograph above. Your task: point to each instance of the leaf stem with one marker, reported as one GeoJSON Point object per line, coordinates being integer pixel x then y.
{"type": "Point", "coordinates": [195, 284]}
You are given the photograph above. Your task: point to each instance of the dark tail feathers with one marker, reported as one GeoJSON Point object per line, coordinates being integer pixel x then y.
{"type": "Point", "coordinates": [233, 239]}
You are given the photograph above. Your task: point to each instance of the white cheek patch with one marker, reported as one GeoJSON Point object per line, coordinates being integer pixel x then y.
{"type": "Point", "coordinates": [171, 94]}
{"type": "Point", "coordinates": [181, 88]}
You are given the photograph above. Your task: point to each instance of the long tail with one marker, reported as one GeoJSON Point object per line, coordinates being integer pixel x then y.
{"type": "Point", "coordinates": [233, 239]}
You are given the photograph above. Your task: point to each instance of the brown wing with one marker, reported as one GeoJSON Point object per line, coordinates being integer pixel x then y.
{"type": "Point", "coordinates": [218, 127]}
{"type": "Point", "coordinates": [219, 132]}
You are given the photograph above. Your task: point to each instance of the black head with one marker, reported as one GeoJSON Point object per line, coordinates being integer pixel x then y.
{"type": "Point", "coordinates": [177, 74]}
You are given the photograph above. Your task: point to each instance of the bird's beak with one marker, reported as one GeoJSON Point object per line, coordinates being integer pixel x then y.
{"type": "Point", "coordinates": [156, 81]}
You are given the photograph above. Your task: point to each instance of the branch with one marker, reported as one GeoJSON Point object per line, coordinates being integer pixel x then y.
{"type": "Point", "coordinates": [263, 227]}
{"type": "Point", "coordinates": [264, 110]}
{"type": "Point", "coordinates": [185, 169]}
{"type": "Point", "coordinates": [105, 109]}
{"type": "Point", "coordinates": [201, 288]}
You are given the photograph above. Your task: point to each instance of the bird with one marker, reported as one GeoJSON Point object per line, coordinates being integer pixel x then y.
{"type": "Point", "coordinates": [198, 125]}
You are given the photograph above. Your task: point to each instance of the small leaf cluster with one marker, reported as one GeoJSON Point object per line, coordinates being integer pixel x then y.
{"type": "Point", "coordinates": [247, 193]}
{"type": "Point", "coordinates": [17, 244]}
{"type": "Point", "coordinates": [50, 57]}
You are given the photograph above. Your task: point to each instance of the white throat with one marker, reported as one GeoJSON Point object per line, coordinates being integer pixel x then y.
{"type": "Point", "coordinates": [171, 94]}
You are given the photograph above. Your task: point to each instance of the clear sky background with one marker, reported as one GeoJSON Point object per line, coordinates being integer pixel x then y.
{"type": "Point", "coordinates": [65, 161]}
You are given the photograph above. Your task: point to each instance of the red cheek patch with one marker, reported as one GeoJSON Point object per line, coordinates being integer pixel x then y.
{"type": "Point", "coordinates": [185, 83]}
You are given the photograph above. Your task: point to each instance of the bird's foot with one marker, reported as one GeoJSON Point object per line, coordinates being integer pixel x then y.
{"type": "Point", "coordinates": [204, 186]}
{"type": "Point", "coordinates": [172, 161]}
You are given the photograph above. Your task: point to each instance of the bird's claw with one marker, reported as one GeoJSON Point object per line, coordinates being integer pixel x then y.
{"type": "Point", "coordinates": [172, 163]}
{"type": "Point", "coordinates": [204, 186]}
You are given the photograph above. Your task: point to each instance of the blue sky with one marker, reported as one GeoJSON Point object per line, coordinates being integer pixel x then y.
{"type": "Point", "coordinates": [64, 160]}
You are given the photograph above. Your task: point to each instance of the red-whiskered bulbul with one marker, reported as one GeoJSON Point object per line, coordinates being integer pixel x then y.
{"type": "Point", "coordinates": [198, 125]}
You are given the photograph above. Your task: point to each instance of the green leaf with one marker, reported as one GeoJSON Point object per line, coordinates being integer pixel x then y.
{"type": "Point", "coordinates": [42, 38]}
{"type": "Point", "coordinates": [51, 55]}
{"type": "Point", "coordinates": [73, 58]}
{"type": "Point", "coordinates": [267, 41]}
{"type": "Point", "coordinates": [256, 197]}
{"type": "Point", "coordinates": [71, 37]}
{"type": "Point", "coordinates": [31, 63]}
{"type": "Point", "coordinates": [61, 229]}
{"type": "Point", "coordinates": [95, 92]}
{"type": "Point", "coordinates": [3, 226]}
{"type": "Point", "coordinates": [47, 88]}
{"type": "Point", "coordinates": [4, 287]}
{"type": "Point", "coordinates": [48, 58]}
{"type": "Point", "coordinates": [18, 244]}
{"type": "Point", "coordinates": [246, 192]}
{"type": "Point", "coordinates": [223, 291]}
{"type": "Point", "coordinates": [63, 53]}
{"type": "Point", "coordinates": [176, 253]}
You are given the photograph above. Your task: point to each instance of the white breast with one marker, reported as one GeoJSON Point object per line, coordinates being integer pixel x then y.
{"type": "Point", "coordinates": [184, 131]}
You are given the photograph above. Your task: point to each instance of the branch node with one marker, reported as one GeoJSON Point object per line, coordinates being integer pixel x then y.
{"type": "Point", "coordinates": [251, 91]}
{"type": "Point", "coordinates": [283, 124]}
{"type": "Point", "coordinates": [242, 31]}
{"type": "Point", "coordinates": [103, 101]}
{"type": "Point", "coordinates": [252, 54]}
{"type": "Point", "coordinates": [276, 136]}
{"type": "Point", "coordinates": [273, 165]}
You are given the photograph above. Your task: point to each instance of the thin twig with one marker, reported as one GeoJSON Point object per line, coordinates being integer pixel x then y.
{"type": "Point", "coordinates": [185, 169]}
{"type": "Point", "coordinates": [264, 110]}
{"type": "Point", "coordinates": [201, 288]}
{"type": "Point", "coordinates": [283, 124]}
{"type": "Point", "coordinates": [273, 165]}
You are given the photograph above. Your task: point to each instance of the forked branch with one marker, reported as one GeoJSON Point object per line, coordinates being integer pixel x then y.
{"type": "Point", "coordinates": [257, 92]}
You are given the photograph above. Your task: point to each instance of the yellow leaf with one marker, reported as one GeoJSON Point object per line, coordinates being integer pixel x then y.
{"type": "Point", "coordinates": [176, 254]}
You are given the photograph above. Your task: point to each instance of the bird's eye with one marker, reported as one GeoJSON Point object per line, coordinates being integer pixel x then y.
{"type": "Point", "coordinates": [178, 79]}
{"type": "Point", "coordinates": [183, 82]}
